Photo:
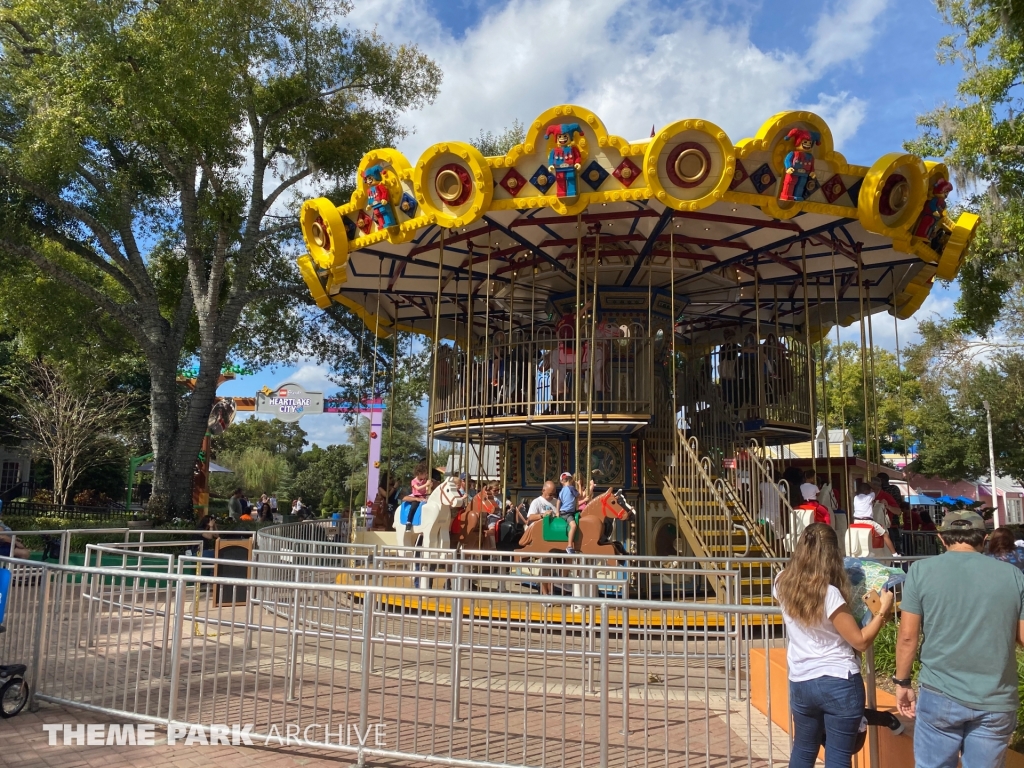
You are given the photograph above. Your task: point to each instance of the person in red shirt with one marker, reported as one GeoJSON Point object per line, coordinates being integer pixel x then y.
{"type": "Point", "coordinates": [892, 507]}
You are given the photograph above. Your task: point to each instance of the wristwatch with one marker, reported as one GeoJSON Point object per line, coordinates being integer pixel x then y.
{"type": "Point", "coordinates": [902, 683]}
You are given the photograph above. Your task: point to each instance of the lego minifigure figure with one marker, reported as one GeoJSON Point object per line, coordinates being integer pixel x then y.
{"type": "Point", "coordinates": [564, 158]}
{"type": "Point", "coordinates": [799, 164]}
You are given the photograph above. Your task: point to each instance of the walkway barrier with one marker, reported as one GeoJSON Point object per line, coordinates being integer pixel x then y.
{"type": "Point", "coordinates": [348, 659]}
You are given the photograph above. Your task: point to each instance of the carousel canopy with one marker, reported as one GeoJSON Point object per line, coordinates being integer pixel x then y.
{"type": "Point", "coordinates": [778, 229]}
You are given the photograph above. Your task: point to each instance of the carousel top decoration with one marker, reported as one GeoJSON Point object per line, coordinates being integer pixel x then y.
{"type": "Point", "coordinates": [773, 212]}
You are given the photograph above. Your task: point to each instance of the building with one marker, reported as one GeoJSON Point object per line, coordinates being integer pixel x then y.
{"type": "Point", "coordinates": [15, 466]}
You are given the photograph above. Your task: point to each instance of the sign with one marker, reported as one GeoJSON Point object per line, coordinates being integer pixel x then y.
{"type": "Point", "coordinates": [289, 402]}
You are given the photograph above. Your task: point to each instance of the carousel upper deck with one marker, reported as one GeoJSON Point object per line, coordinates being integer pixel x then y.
{"type": "Point", "coordinates": [582, 273]}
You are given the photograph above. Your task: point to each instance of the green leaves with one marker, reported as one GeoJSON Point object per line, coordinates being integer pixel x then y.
{"type": "Point", "coordinates": [150, 157]}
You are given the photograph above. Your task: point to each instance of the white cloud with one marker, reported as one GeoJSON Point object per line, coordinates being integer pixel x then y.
{"type": "Point", "coordinates": [844, 32]}
{"type": "Point", "coordinates": [843, 113]}
{"type": "Point", "coordinates": [883, 329]}
{"type": "Point", "coordinates": [634, 62]}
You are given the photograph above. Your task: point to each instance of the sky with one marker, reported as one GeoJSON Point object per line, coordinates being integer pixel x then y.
{"type": "Point", "coordinates": [867, 66]}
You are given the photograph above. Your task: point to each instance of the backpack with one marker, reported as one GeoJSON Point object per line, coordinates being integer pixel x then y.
{"type": "Point", "coordinates": [877, 540]}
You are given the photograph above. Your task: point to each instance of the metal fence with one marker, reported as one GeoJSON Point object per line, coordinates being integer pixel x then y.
{"type": "Point", "coordinates": [427, 659]}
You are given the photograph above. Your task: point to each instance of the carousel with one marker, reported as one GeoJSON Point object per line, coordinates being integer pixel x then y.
{"type": "Point", "coordinates": [647, 314]}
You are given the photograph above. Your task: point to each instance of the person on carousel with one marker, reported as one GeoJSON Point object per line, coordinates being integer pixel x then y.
{"type": "Point", "coordinates": [420, 491]}
{"type": "Point", "coordinates": [813, 511]}
{"type": "Point", "coordinates": [564, 158]}
{"type": "Point", "coordinates": [568, 506]}
{"type": "Point", "coordinates": [564, 361]}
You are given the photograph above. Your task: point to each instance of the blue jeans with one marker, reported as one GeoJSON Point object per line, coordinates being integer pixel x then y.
{"type": "Point", "coordinates": [830, 707]}
{"type": "Point", "coordinates": [945, 729]}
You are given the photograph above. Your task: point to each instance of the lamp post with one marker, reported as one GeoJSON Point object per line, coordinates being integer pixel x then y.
{"type": "Point", "coordinates": [992, 466]}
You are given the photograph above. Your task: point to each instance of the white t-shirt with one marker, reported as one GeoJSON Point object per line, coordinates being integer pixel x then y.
{"type": "Point", "coordinates": [862, 505]}
{"type": "Point", "coordinates": [809, 492]}
{"type": "Point", "coordinates": [819, 651]}
{"type": "Point", "coordinates": [540, 506]}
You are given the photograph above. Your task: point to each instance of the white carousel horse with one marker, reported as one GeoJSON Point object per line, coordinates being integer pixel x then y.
{"type": "Point", "coordinates": [435, 518]}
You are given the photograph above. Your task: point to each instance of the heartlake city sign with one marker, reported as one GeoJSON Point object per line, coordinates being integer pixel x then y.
{"type": "Point", "coordinates": [289, 402]}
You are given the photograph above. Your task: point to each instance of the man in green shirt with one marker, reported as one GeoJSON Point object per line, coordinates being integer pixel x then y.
{"type": "Point", "coordinates": [971, 610]}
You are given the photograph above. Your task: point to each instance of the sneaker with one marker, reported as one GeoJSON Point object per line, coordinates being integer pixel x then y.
{"type": "Point", "coordinates": [570, 551]}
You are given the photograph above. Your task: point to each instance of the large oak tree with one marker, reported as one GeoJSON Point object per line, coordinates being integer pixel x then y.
{"type": "Point", "coordinates": [151, 154]}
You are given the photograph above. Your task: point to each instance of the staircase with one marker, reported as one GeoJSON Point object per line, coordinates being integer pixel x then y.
{"type": "Point", "coordinates": [711, 515]}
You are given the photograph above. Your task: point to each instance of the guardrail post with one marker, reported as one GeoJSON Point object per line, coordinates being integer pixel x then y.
{"type": "Point", "coordinates": [40, 651]}
{"type": "Point", "coordinates": [364, 672]}
{"type": "Point", "coordinates": [176, 643]}
{"type": "Point", "coordinates": [293, 650]}
{"type": "Point", "coordinates": [457, 640]}
{"type": "Point", "coordinates": [605, 681]}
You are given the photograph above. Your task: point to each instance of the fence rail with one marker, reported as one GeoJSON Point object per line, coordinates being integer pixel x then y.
{"type": "Point", "coordinates": [67, 511]}
{"type": "Point", "coordinates": [471, 675]}
{"type": "Point", "coordinates": [421, 656]}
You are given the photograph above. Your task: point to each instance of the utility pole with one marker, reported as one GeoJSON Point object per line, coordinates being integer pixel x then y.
{"type": "Point", "coordinates": [992, 466]}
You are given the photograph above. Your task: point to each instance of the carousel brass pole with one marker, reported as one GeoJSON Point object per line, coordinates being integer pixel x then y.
{"type": "Point", "coordinates": [672, 350]}
{"type": "Point", "coordinates": [351, 488]}
{"type": "Point", "coordinates": [809, 362]}
{"type": "Point", "coordinates": [899, 374]}
{"type": "Point", "coordinates": [650, 334]}
{"type": "Point", "coordinates": [874, 394]}
{"type": "Point", "coordinates": [431, 406]}
{"type": "Point", "coordinates": [485, 384]}
{"type": "Point", "coordinates": [863, 360]}
{"type": "Point", "coordinates": [373, 396]}
{"type": "Point", "coordinates": [593, 353]}
{"type": "Point", "coordinates": [391, 407]}
{"type": "Point", "coordinates": [467, 451]}
{"type": "Point", "coordinates": [532, 393]}
{"type": "Point", "coordinates": [824, 395]}
{"type": "Point", "coordinates": [576, 348]}
{"type": "Point", "coordinates": [848, 500]}
{"type": "Point", "coordinates": [757, 331]}
{"type": "Point", "coordinates": [504, 475]}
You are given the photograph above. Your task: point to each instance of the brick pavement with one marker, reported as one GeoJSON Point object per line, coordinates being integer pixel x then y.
{"type": "Point", "coordinates": [23, 744]}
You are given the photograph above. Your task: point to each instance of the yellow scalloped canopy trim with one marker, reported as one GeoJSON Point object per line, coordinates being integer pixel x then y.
{"type": "Point", "coordinates": [766, 146]}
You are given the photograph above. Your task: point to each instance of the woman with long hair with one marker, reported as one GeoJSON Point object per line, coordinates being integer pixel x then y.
{"type": "Point", "coordinates": [826, 692]}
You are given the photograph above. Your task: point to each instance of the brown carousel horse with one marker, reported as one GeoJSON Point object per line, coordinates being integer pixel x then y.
{"type": "Point", "coordinates": [593, 536]}
{"type": "Point", "coordinates": [469, 528]}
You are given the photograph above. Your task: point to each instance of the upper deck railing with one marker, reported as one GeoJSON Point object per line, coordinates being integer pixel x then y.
{"type": "Point", "coordinates": [722, 394]}
{"type": "Point", "coordinates": [528, 375]}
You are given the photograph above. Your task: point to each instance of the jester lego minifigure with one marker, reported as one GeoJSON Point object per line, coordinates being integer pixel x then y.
{"type": "Point", "coordinates": [799, 164]}
{"type": "Point", "coordinates": [564, 159]}
{"type": "Point", "coordinates": [933, 213]}
{"type": "Point", "coordinates": [379, 198]}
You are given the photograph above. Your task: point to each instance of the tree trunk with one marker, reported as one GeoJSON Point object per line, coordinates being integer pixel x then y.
{"type": "Point", "coordinates": [177, 432]}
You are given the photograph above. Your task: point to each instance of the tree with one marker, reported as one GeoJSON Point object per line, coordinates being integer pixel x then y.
{"type": "Point", "coordinates": [980, 136]}
{"type": "Point", "coordinates": [324, 473]}
{"type": "Point", "coordinates": [256, 471]}
{"type": "Point", "coordinates": [276, 437]}
{"type": "Point", "coordinates": [493, 144]}
{"type": "Point", "coordinates": [148, 154]}
{"type": "Point", "coordinates": [893, 397]}
{"type": "Point", "coordinates": [70, 427]}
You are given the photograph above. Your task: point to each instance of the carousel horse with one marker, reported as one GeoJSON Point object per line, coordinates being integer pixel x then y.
{"type": "Point", "coordinates": [469, 527]}
{"type": "Point", "coordinates": [593, 531]}
{"type": "Point", "coordinates": [432, 520]}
